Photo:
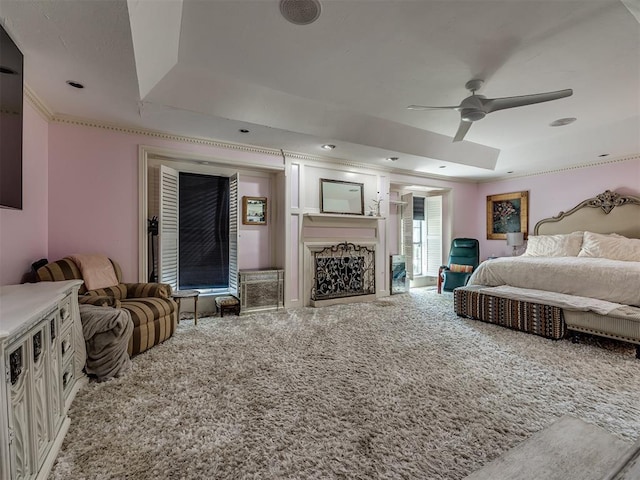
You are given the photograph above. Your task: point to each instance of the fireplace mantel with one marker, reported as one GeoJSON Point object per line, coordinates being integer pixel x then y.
{"type": "Point", "coordinates": [340, 218]}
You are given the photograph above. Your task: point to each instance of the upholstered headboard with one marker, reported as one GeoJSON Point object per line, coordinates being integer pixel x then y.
{"type": "Point", "coordinates": [608, 212]}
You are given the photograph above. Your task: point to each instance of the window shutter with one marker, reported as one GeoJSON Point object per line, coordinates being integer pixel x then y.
{"type": "Point", "coordinates": [234, 210]}
{"type": "Point", "coordinates": [418, 208]}
{"type": "Point", "coordinates": [434, 234]}
{"type": "Point", "coordinates": [168, 227]}
{"type": "Point", "coordinates": [407, 232]}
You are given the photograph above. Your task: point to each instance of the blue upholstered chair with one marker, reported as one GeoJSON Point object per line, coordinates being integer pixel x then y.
{"type": "Point", "coordinates": [464, 257]}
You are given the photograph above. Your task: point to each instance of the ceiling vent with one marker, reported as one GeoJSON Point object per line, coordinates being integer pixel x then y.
{"type": "Point", "coordinates": [300, 12]}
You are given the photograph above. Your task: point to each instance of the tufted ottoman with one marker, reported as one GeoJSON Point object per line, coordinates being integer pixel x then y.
{"type": "Point", "coordinates": [228, 303]}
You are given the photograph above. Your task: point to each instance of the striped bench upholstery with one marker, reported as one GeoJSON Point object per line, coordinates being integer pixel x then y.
{"type": "Point", "coordinates": [153, 311]}
{"type": "Point", "coordinates": [544, 320]}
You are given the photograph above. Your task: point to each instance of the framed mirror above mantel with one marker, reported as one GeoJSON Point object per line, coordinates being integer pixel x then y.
{"type": "Point", "coordinates": [341, 197]}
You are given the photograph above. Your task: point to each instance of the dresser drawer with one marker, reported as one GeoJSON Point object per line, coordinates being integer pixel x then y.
{"type": "Point", "coordinates": [64, 308]}
{"type": "Point", "coordinates": [66, 346]}
{"type": "Point", "coordinates": [67, 378]}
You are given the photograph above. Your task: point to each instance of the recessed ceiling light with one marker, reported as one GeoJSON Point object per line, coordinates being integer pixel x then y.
{"type": "Point", "coordinates": [392, 159]}
{"type": "Point", "coordinates": [74, 84]}
{"type": "Point", "coordinates": [561, 122]}
{"type": "Point", "coordinates": [326, 146]}
{"type": "Point", "coordinates": [603, 155]}
{"type": "Point", "coordinates": [243, 130]}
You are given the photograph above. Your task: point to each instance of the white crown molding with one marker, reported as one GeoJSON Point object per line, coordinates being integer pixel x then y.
{"type": "Point", "coordinates": [622, 158]}
{"type": "Point", "coordinates": [41, 107]}
{"type": "Point", "coordinates": [37, 103]}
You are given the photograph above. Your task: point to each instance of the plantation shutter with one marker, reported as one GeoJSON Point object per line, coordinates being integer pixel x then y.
{"type": "Point", "coordinates": [168, 227]}
{"type": "Point", "coordinates": [407, 232]}
{"type": "Point", "coordinates": [234, 210]}
{"type": "Point", "coordinates": [434, 234]}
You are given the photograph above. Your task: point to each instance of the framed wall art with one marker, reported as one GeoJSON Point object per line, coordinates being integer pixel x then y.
{"type": "Point", "coordinates": [507, 212]}
{"type": "Point", "coordinates": [254, 210]}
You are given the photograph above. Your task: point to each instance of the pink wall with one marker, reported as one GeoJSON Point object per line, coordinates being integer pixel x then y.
{"type": "Point", "coordinates": [549, 194]}
{"type": "Point", "coordinates": [23, 233]}
{"type": "Point", "coordinates": [93, 190]}
{"type": "Point", "coordinates": [255, 242]}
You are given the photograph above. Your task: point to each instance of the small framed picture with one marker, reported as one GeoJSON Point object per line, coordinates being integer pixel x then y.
{"type": "Point", "coordinates": [254, 210]}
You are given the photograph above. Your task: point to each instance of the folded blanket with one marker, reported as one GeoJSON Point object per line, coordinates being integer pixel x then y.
{"type": "Point", "coordinates": [97, 270]}
{"type": "Point", "coordinates": [106, 333]}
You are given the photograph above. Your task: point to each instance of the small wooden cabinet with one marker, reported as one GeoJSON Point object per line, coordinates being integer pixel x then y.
{"type": "Point", "coordinates": [42, 353]}
{"type": "Point", "coordinates": [261, 289]}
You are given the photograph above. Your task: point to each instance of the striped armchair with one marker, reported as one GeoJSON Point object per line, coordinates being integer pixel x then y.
{"type": "Point", "coordinates": [153, 311]}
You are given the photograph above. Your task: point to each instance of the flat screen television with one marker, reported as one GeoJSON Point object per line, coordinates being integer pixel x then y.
{"type": "Point", "coordinates": [11, 75]}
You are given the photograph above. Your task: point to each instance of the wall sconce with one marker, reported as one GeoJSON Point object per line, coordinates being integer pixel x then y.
{"type": "Point", "coordinates": [515, 240]}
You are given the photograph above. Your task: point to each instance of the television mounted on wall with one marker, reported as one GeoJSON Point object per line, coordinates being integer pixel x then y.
{"type": "Point", "coordinates": [11, 77]}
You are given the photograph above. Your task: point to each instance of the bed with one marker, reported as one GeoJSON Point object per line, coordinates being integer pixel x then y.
{"type": "Point", "coordinates": [579, 273]}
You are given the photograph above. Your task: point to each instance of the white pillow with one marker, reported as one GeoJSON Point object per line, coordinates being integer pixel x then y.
{"type": "Point", "coordinates": [613, 247]}
{"type": "Point", "coordinates": [561, 245]}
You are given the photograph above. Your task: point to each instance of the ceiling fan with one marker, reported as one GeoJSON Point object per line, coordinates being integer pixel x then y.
{"type": "Point", "coordinates": [476, 107]}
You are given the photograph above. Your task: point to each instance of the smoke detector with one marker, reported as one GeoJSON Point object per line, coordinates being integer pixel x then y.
{"type": "Point", "coordinates": [300, 12]}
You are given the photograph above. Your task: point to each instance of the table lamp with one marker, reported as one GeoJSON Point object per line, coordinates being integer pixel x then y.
{"type": "Point", "coordinates": [515, 239]}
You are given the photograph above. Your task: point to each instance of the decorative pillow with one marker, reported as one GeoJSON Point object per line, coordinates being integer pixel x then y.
{"type": "Point", "coordinates": [609, 246]}
{"type": "Point", "coordinates": [561, 245]}
{"type": "Point", "coordinates": [454, 267]}
{"type": "Point", "coordinates": [97, 270]}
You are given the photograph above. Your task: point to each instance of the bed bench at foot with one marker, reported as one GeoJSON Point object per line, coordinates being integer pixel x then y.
{"type": "Point", "coordinates": [544, 320]}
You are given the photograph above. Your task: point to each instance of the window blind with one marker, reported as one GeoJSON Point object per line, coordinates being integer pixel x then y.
{"type": "Point", "coordinates": [418, 208]}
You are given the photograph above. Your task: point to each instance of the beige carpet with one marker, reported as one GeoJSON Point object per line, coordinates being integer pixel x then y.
{"type": "Point", "coordinates": [398, 388]}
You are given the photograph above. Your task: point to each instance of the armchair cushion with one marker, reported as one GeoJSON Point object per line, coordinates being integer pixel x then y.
{"type": "Point", "coordinates": [118, 291]}
{"type": "Point", "coordinates": [99, 301]}
{"type": "Point", "coordinates": [144, 290]}
{"type": "Point", "coordinates": [455, 267]}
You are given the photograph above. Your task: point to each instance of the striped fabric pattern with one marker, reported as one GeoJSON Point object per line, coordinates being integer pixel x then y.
{"type": "Point", "coordinates": [118, 292]}
{"type": "Point", "coordinates": [544, 320]}
{"type": "Point", "coordinates": [154, 321]}
{"type": "Point", "coordinates": [143, 290]}
{"type": "Point", "coordinates": [64, 269]}
{"type": "Point", "coordinates": [99, 301]}
{"type": "Point", "coordinates": [153, 311]}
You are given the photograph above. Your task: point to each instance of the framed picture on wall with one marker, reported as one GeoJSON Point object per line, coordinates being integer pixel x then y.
{"type": "Point", "coordinates": [507, 212]}
{"type": "Point", "coordinates": [254, 210]}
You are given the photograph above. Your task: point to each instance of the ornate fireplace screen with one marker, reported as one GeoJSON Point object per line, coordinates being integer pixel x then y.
{"type": "Point", "coordinates": [343, 270]}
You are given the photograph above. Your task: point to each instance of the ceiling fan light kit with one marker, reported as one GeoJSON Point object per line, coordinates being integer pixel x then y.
{"type": "Point", "coordinates": [300, 12]}
{"type": "Point", "coordinates": [476, 107]}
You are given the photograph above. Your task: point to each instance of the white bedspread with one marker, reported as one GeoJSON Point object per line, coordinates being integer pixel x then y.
{"type": "Point", "coordinates": [609, 280]}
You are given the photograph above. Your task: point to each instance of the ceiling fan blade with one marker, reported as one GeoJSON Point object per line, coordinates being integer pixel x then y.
{"type": "Point", "coordinates": [425, 107]}
{"type": "Point", "coordinates": [462, 130]}
{"type": "Point", "coordinates": [494, 104]}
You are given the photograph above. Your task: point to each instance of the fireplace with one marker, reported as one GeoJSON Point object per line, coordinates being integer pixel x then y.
{"type": "Point", "coordinates": [341, 271]}
{"type": "Point", "coordinates": [342, 258]}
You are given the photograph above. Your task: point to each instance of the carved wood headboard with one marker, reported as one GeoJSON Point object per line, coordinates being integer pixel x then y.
{"type": "Point", "coordinates": [608, 212]}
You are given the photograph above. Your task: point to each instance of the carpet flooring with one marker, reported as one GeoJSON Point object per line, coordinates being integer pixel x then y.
{"type": "Point", "coordinates": [399, 388]}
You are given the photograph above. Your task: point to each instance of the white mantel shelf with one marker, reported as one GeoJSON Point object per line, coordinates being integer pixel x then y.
{"type": "Point", "coordinates": [359, 219]}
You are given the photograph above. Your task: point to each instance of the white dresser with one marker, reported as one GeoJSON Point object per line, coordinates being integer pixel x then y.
{"type": "Point", "coordinates": [42, 354]}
